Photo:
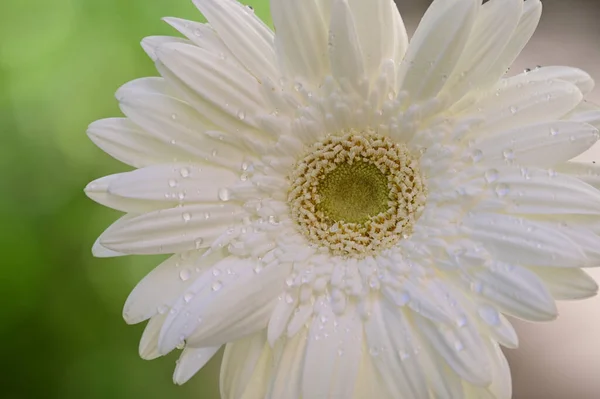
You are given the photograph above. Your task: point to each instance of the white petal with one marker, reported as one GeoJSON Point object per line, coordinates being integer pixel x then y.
{"type": "Point", "coordinates": [243, 33]}
{"type": "Point", "coordinates": [499, 327]}
{"type": "Point", "coordinates": [159, 290]}
{"type": "Point", "coordinates": [149, 342]}
{"type": "Point", "coordinates": [99, 251]}
{"type": "Point", "coordinates": [579, 78]}
{"type": "Point", "coordinates": [225, 93]}
{"type": "Point", "coordinates": [98, 191]}
{"type": "Point", "coordinates": [532, 11]}
{"type": "Point", "coordinates": [347, 63]}
{"type": "Point", "coordinates": [281, 315]}
{"type": "Point", "coordinates": [202, 35]}
{"type": "Point", "coordinates": [287, 369]}
{"type": "Point", "coordinates": [174, 122]}
{"type": "Point", "coordinates": [171, 230]}
{"type": "Point", "coordinates": [492, 30]}
{"type": "Point", "coordinates": [225, 306]}
{"type": "Point", "coordinates": [567, 284]}
{"type": "Point", "coordinates": [516, 291]}
{"type": "Point", "coordinates": [522, 241]}
{"type": "Point", "coordinates": [436, 46]}
{"type": "Point", "coordinates": [301, 39]}
{"type": "Point", "coordinates": [191, 361]}
{"type": "Point", "coordinates": [151, 43]}
{"type": "Point", "coordinates": [333, 353]}
{"type": "Point", "coordinates": [395, 358]}
{"type": "Point", "coordinates": [537, 191]}
{"type": "Point", "coordinates": [197, 183]}
{"type": "Point", "coordinates": [462, 348]}
{"type": "Point", "coordinates": [377, 24]}
{"type": "Point", "coordinates": [501, 386]}
{"type": "Point", "coordinates": [587, 112]}
{"type": "Point", "coordinates": [245, 368]}
{"type": "Point", "coordinates": [130, 144]}
{"type": "Point", "coordinates": [586, 172]}
{"type": "Point", "coordinates": [518, 101]}
{"type": "Point", "coordinates": [544, 145]}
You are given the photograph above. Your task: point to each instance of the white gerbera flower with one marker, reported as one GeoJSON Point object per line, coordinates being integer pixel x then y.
{"type": "Point", "coordinates": [351, 214]}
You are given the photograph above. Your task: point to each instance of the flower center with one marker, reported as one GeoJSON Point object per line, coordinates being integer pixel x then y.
{"type": "Point", "coordinates": [356, 194]}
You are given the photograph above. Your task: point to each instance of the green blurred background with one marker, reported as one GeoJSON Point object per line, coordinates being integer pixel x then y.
{"type": "Point", "coordinates": [61, 328]}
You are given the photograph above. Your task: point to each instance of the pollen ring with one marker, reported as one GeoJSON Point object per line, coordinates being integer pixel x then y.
{"type": "Point", "coordinates": [356, 193]}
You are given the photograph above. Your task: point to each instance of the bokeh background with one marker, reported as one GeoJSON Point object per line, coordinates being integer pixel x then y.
{"type": "Point", "coordinates": [61, 331]}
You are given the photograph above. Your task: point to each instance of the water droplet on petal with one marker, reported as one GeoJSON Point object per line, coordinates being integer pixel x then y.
{"type": "Point", "coordinates": [187, 297]}
{"type": "Point", "coordinates": [502, 190]}
{"type": "Point", "coordinates": [508, 154]}
{"type": "Point", "coordinates": [184, 172]}
{"type": "Point", "coordinates": [458, 346]}
{"type": "Point", "coordinates": [198, 243]}
{"type": "Point", "coordinates": [216, 286]}
{"type": "Point", "coordinates": [491, 175]}
{"type": "Point", "coordinates": [553, 131]}
{"type": "Point", "coordinates": [476, 155]}
{"type": "Point", "coordinates": [374, 351]}
{"type": "Point", "coordinates": [224, 194]}
{"type": "Point", "coordinates": [241, 115]}
{"type": "Point", "coordinates": [289, 299]}
{"type": "Point", "coordinates": [185, 274]}
{"type": "Point", "coordinates": [172, 183]}
{"type": "Point", "coordinates": [174, 116]}
{"type": "Point", "coordinates": [186, 216]}
{"type": "Point", "coordinates": [162, 309]}
{"type": "Point", "coordinates": [513, 109]}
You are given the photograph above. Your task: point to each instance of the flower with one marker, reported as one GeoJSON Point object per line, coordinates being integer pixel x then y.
{"type": "Point", "coordinates": [350, 214]}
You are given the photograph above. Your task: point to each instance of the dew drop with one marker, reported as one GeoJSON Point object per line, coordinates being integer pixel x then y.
{"type": "Point", "coordinates": [174, 117]}
{"type": "Point", "coordinates": [216, 286]}
{"type": "Point", "coordinates": [184, 172]}
{"type": "Point", "coordinates": [502, 190]}
{"type": "Point", "coordinates": [491, 175]}
{"type": "Point", "coordinates": [187, 297]}
{"type": "Point", "coordinates": [489, 315]}
{"type": "Point", "coordinates": [374, 351]}
{"type": "Point", "coordinates": [476, 155]}
{"type": "Point", "coordinates": [458, 346]}
{"type": "Point", "coordinates": [224, 194]}
{"type": "Point", "coordinates": [186, 216]}
{"type": "Point", "coordinates": [172, 183]}
{"type": "Point", "coordinates": [214, 153]}
{"type": "Point", "coordinates": [403, 355]}
{"type": "Point", "coordinates": [508, 154]}
{"type": "Point", "coordinates": [289, 299]}
{"type": "Point", "coordinates": [241, 115]}
{"type": "Point", "coordinates": [198, 243]}
{"type": "Point", "coordinates": [513, 109]}
{"type": "Point", "coordinates": [197, 32]}
{"type": "Point", "coordinates": [298, 86]}
{"type": "Point", "coordinates": [162, 309]}
{"type": "Point", "coordinates": [185, 274]}
{"type": "Point", "coordinates": [553, 131]}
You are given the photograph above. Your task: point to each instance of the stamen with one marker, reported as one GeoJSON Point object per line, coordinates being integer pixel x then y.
{"type": "Point", "coordinates": [357, 194]}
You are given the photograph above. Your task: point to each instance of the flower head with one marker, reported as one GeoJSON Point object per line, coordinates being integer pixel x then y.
{"type": "Point", "coordinates": [351, 214]}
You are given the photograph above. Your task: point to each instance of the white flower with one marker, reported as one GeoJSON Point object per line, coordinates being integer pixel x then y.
{"type": "Point", "coordinates": [351, 215]}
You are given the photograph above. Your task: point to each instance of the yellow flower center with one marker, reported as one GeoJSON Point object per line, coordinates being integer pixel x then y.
{"type": "Point", "coordinates": [357, 193]}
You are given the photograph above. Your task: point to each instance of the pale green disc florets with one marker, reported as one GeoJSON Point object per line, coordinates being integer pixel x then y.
{"type": "Point", "coordinates": [356, 193]}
